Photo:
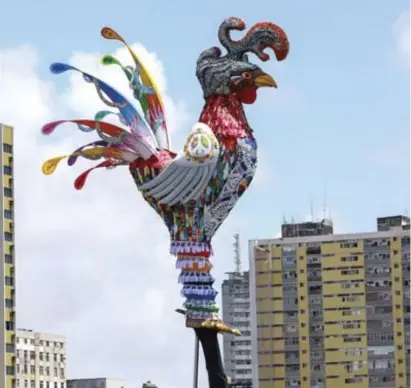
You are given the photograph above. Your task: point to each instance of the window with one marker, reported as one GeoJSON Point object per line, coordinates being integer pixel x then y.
{"type": "Point", "coordinates": [354, 380]}
{"type": "Point", "coordinates": [8, 258]}
{"type": "Point", "coordinates": [10, 370]}
{"type": "Point", "coordinates": [350, 272]}
{"type": "Point", "coordinates": [7, 170]}
{"type": "Point", "coordinates": [9, 281]}
{"type": "Point", "coordinates": [8, 236]}
{"type": "Point", "coordinates": [9, 303]}
{"type": "Point", "coordinates": [9, 325]}
{"type": "Point", "coordinates": [10, 348]}
{"type": "Point", "coordinates": [8, 192]}
{"type": "Point", "coordinates": [32, 369]}
{"type": "Point", "coordinates": [349, 258]}
{"type": "Point", "coordinates": [8, 214]}
{"type": "Point", "coordinates": [351, 325]}
{"type": "Point", "coordinates": [7, 148]}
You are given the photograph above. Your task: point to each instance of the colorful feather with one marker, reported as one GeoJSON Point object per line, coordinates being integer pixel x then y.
{"type": "Point", "coordinates": [74, 156]}
{"type": "Point", "coordinates": [127, 110]}
{"type": "Point", "coordinates": [154, 100]}
{"type": "Point", "coordinates": [92, 154]}
{"type": "Point", "coordinates": [133, 75]}
{"type": "Point", "coordinates": [107, 128]}
{"type": "Point", "coordinates": [82, 178]}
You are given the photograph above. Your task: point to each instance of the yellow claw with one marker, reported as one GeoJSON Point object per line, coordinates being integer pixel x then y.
{"type": "Point", "coordinates": [50, 165]}
{"type": "Point", "coordinates": [212, 324]}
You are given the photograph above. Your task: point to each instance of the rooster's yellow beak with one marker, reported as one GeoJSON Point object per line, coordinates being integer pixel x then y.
{"type": "Point", "coordinates": [265, 80]}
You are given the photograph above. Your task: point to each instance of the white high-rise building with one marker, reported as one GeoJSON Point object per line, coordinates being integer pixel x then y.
{"type": "Point", "coordinates": [236, 312]}
{"type": "Point", "coordinates": [40, 360]}
{"type": "Point", "coordinates": [96, 383]}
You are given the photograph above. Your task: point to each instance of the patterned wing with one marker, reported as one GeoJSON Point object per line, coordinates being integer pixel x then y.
{"type": "Point", "coordinates": [186, 177]}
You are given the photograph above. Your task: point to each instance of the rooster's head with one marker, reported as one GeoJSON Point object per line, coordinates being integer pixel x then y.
{"type": "Point", "coordinates": [233, 72]}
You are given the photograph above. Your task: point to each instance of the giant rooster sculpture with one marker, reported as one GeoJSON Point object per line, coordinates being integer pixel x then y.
{"type": "Point", "coordinates": [195, 190]}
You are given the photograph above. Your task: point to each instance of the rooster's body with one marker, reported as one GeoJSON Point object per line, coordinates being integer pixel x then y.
{"type": "Point", "coordinates": [195, 190]}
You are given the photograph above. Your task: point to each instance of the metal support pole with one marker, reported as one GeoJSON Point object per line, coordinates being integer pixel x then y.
{"type": "Point", "coordinates": [196, 360]}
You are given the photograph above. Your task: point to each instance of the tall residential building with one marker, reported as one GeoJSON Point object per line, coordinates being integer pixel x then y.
{"type": "Point", "coordinates": [41, 360]}
{"type": "Point", "coordinates": [96, 383]}
{"type": "Point", "coordinates": [332, 310]}
{"type": "Point", "coordinates": [236, 312]}
{"type": "Point", "coordinates": [7, 268]}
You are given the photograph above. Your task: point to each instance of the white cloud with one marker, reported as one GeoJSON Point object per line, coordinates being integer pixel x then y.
{"type": "Point", "coordinates": [93, 265]}
{"type": "Point", "coordinates": [264, 174]}
{"type": "Point", "coordinates": [401, 32]}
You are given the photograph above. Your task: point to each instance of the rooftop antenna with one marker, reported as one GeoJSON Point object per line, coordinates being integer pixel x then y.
{"type": "Point", "coordinates": [325, 200]}
{"type": "Point", "coordinates": [237, 254]}
{"type": "Point", "coordinates": [312, 210]}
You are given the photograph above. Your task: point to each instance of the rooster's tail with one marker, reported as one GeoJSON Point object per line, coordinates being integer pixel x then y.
{"type": "Point", "coordinates": [135, 139]}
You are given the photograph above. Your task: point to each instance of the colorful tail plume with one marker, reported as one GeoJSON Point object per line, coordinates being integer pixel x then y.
{"type": "Point", "coordinates": [143, 138]}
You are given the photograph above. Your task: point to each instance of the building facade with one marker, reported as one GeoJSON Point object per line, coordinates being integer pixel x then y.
{"type": "Point", "coordinates": [236, 312]}
{"type": "Point", "coordinates": [7, 268]}
{"type": "Point", "coordinates": [96, 383]}
{"type": "Point", "coordinates": [332, 310]}
{"type": "Point", "coordinates": [40, 360]}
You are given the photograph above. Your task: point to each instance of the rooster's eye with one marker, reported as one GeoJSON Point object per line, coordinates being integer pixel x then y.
{"type": "Point", "coordinates": [246, 75]}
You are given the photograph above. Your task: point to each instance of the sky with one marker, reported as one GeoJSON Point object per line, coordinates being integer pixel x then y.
{"type": "Point", "coordinates": [93, 265]}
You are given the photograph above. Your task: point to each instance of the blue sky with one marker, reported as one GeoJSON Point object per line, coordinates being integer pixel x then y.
{"type": "Point", "coordinates": [341, 115]}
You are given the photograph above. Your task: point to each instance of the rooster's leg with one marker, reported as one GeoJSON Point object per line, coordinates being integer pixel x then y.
{"type": "Point", "coordinates": [201, 310]}
{"type": "Point", "coordinates": [212, 355]}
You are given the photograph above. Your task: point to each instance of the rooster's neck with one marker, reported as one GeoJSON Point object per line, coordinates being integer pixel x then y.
{"type": "Point", "coordinates": [224, 114]}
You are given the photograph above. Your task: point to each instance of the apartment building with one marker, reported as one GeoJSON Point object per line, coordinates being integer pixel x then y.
{"type": "Point", "coordinates": [332, 310]}
{"type": "Point", "coordinates": [236, 312]}
{"type": "Point", "coordinates": [7, 269]}
{"type": "Point", "coordinates": [40, 360]}
{"type": "Point", "coordinates": [100, 383]}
